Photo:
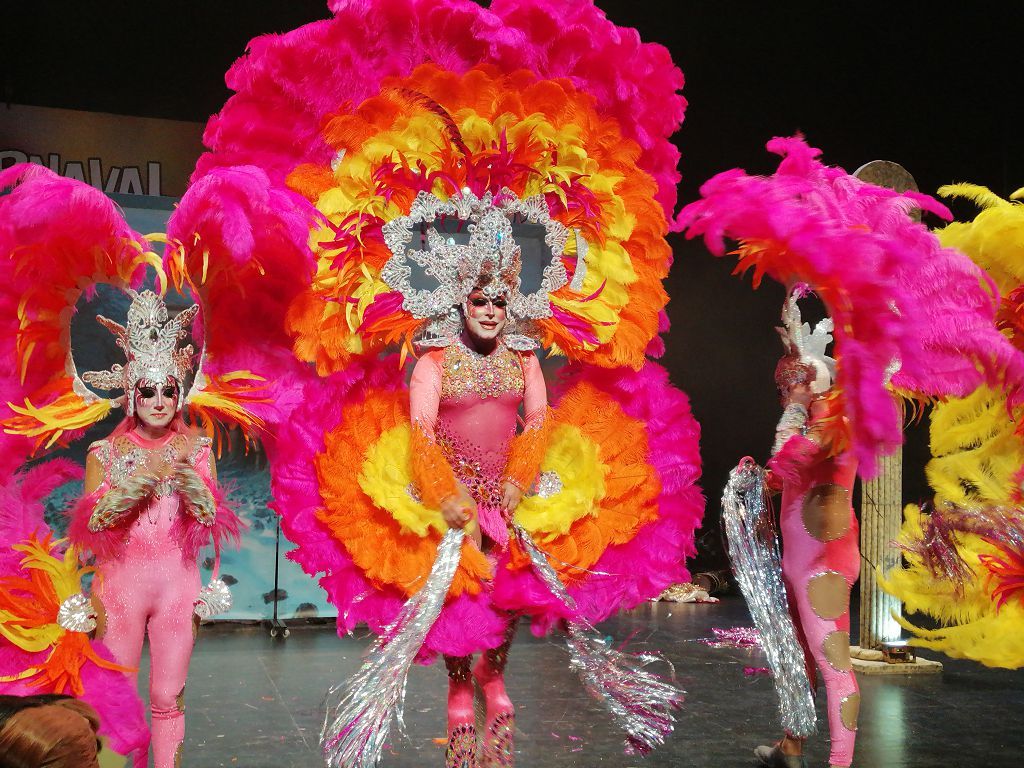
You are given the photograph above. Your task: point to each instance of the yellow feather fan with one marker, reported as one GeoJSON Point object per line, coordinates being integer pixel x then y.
{"type": "Point", "coordinates": [977, 460]}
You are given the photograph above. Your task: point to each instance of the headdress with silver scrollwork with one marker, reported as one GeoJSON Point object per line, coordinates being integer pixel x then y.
{"type": "Point", "coordinates": [150, 343]}
{"type": "Point", "coordinates": [805, 360]}
{"type": "Point", "coordinates": [490, 261]}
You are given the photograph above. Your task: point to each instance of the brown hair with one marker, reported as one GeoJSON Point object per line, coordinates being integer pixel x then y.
{"type": "Point", "coordinates": [48, 732]}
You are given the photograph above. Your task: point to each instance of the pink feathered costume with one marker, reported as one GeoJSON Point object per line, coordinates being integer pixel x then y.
{"type": "Point", "coordinates": [908, 314]}
{"type": "Point", "coordinates": [820, 563]}
{"type": "Point", "coordinates": [147, 577]}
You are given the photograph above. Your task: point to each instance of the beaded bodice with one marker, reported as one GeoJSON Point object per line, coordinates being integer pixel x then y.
{"type": "Point", "coordinates": [122, 457]}
{"type": "Point", "coordinates": [477, 416]}
{"type": "Point", "coordinates": [466, 371]}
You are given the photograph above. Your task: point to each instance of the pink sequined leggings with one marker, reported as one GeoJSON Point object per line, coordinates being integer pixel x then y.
{"type": "Point", "coordinates": [821, 561]}
{"type": "Point", "coordinates": [154, 596]}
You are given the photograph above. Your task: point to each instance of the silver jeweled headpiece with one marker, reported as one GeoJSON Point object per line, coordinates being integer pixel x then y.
{"type": "Point", "coordinates": [491, 261]}
{"type": "Point", "coordinates": [150, 343]}
{"type": "Point", "coordinates": [804, 346]}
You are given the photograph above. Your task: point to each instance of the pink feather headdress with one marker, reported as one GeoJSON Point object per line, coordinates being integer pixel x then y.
{"type": "Point", "coordinates": [453, 103]}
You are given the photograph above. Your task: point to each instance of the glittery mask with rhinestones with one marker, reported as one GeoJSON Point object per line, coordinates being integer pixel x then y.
{"type": "Point", "coordinates": [491, 261]}
{"type": "Point", "coordinates": [150, 342]}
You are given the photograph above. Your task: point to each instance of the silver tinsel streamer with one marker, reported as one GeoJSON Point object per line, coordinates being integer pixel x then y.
{"type": "Point", "coordinates": [640, 702]}
{"type": "Point", "coordinates": [754, 552]}
{"type": "Point", "coordinates": [360, 710]}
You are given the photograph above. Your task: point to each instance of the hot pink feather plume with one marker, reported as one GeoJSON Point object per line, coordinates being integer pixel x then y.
{"type": "Point", "coordinates": [21, 505]}
{"type": "Point", "coordinates": [896, 296]}
{"type": "Point", "coordinates": [287, 83]}
{"type": "Point", "coordinates": [246, 244]}
{"type": "Point", "coordinates": [115, 698]}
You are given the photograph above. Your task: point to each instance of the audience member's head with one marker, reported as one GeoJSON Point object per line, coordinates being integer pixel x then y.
{"type": "Point", "coordinates": [47, 732]}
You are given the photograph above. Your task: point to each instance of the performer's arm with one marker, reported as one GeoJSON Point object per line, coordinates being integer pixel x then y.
{"type": "Point", "coordinates": [808, 446]}
{"type": "Point", "coordinates": [112, 506]}
{"type": "Point", "coordinates": [207, 516]}
{"type": "Point", "coordinates": [98, 522]}
{"type": "Point", "coordinates": [433, 474]}
{"type": "Point", "coordinates": [194, 477]}
{"type": "Point", "coordinates": [528, 446]}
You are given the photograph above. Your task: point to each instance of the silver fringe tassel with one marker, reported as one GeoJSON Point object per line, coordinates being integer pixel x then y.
{"type": "Point", "coordinates": [640, 702]}
{"type": "Point", "coordinates": [754, 552]}
{"type": "Point", "coordinates": [360, 710]}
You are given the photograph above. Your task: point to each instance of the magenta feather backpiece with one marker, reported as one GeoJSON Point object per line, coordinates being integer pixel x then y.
{"type": "Point", "coordinates": [282, 93]}
{"type": "Point", "coordinates": [55, 235]}
{"type": "Point", "coordinates": [900, 301]}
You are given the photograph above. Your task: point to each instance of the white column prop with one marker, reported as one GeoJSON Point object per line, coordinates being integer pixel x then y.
{"type": "Point", "coordinates": [881, 511]}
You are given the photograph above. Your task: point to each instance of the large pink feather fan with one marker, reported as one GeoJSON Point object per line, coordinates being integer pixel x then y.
{"type": "Point", "coordinates": [286, 84]}
{"type": "Point", "coordinates": [21, 505]}
{"type": "Point", "coordinates": [56, 235]}
{"type": "Point", "coordinates": [900, 301]}
{"type": "Point", "coordinates": [640, 569]}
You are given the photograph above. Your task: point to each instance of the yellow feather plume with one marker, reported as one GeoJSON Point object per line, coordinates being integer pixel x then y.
{"type": "Point", "coordinates": [977, 455]}
{"type": "Point", "coordinates": [48, 423]}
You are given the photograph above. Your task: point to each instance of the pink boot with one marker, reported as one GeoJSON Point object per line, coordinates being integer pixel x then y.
{"type": "Point", "coordinates": [498, 744]}
{"type": "Point", "coordinates": [462, 742]}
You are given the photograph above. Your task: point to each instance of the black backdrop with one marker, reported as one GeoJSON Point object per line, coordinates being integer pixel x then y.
{"type": "Point", "coordinates": [936, 90]}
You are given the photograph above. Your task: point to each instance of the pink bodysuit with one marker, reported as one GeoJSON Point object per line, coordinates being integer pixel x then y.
{"type": "Point", "coordinates": [469, 404]}
{"type": "Point", "coordinates": [151, 586]}
{"type": "Point", "coordinates": [820, 563]}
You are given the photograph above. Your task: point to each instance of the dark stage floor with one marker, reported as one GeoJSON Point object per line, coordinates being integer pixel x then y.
{"type": "Point", "coordinates": [255, 702]}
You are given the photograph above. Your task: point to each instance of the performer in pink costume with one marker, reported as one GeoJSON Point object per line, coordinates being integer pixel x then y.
{"type": "Point", "coordinates": [465, 400]}
{"type": "Point", "coordinates": [821, 559]}
{"type": "Point", "coordinates": [149, 505]}
{"type": "Point", "coordinates": [908, 315]}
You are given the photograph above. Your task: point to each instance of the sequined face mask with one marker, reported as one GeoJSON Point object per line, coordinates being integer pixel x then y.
{"type": "Point", "coordinates": [156, 405]}
{"type": "Point", "coordinates": [485, 317]}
